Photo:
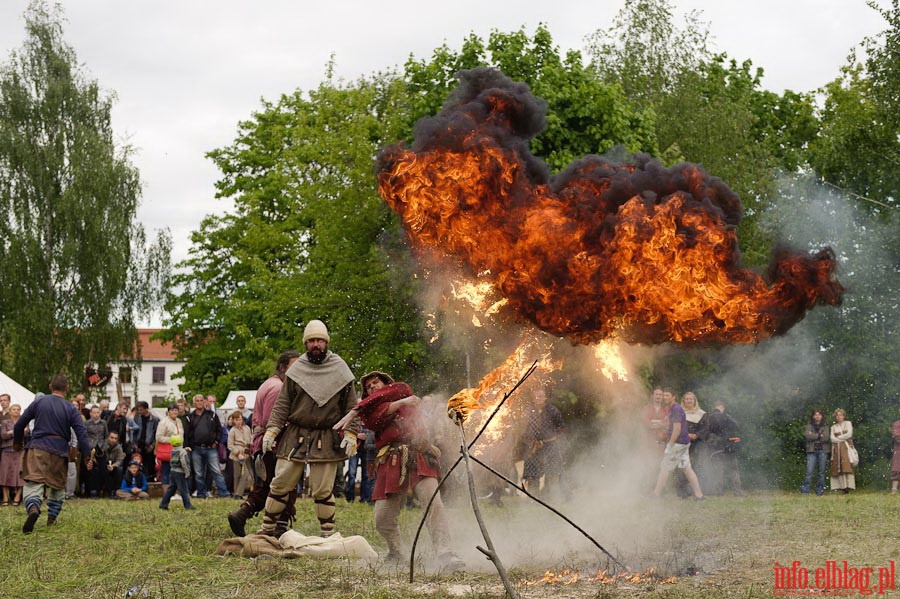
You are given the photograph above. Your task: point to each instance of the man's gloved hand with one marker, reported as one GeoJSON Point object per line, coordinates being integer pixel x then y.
{"type": "Point", "coordinates": [348, 444]}
{"type": "Point", "coordinates": [268, 442]}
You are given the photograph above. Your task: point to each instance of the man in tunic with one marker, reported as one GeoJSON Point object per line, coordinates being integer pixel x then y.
{"type": "Point", "coordinates": [676, 453]}
{"type": "Point", "coordinates": [45, 463]}
{"type": "Point", "coordinates": [318, 391]}
{"type": "Point", "coordinates": [543, 457]}
{"type": "Point", "coordinates": [406, 460]}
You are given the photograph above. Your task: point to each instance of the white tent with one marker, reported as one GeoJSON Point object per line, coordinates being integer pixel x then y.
{"type": "Point", "coordinates": [17, 393]}
{"type": "Point", "coordinates": [230, 403]}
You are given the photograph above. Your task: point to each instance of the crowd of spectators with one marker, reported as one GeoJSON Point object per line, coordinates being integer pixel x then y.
{"type": "Point", "coordinates": [714, 441]}
{"type": "Point", "coordinates": [126, 438]}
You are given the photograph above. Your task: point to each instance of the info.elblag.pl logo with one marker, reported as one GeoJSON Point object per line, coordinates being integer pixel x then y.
{"type": "Point", "coordinates": [833, 579]}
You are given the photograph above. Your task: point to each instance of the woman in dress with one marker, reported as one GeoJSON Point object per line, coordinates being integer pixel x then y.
{"type": "Point", "coordinates": [11, 460]}
{"type": "Point", "coordinates": [842, 477]}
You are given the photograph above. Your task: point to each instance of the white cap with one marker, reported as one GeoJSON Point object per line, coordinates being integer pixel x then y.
{"type": "Point", "coordinates": [315, 329]}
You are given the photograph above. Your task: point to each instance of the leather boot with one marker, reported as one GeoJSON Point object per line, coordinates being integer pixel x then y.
{"type": "Point", "coordinates": [281, 527]}
{"type": "Point", "coordinates": [238, 519]}
{"type": "Point", "coordinates": [33, 514]}
{"type": "Point", "coordinates": [274, 512]}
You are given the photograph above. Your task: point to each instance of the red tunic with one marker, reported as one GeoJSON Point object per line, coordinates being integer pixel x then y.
{"type": "Point", "coordinates": [656, 437]}
{"type": "Point", "coordinates": [265, 400]}
{"type": "Point", "coordinates": [404, 431]}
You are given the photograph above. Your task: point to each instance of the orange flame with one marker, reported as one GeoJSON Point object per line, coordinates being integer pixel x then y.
{"type": "Point", "coordinates": [481, 297]}
{"type": "Point", "coordinates": [633, 250]}
{"type": "Point", "coordinates": [569, 576]}
{"type": "Point", "coordinates": [610, 361]}
{"type": "Point", "coordinates": [494, 384]}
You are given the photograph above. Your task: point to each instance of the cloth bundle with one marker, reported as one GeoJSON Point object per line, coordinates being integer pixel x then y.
{"type": "Point", "coordinates": [292, 544]}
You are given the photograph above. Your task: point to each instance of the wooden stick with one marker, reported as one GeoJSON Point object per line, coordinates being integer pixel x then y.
{"type": "Point", "coordinates": [490, 552]}
{"type": "Point", "coordinates": [551, 508]}
{"type": "Point", "coordinates": [464, 449]}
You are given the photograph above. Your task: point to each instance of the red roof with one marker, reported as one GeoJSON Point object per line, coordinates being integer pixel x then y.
{"type": "Point", "coordinates": [155, 349]}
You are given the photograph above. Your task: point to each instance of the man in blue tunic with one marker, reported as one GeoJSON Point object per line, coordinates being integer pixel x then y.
{"type": "Point", "coordinates": [45, 463]}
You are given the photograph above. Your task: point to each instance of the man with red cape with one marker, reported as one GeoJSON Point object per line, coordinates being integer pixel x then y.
{"type": "Point", "coordinates": [406, 459]}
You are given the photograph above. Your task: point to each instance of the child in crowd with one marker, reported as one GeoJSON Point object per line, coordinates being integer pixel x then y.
{"type": "Point", "coordinates": [179, 472]}
{"type": "Point", "coordinates": [134, 483]}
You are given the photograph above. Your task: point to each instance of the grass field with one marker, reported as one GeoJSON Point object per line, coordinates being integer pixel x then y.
{"type": "Point", "coordinates": [723, 547]}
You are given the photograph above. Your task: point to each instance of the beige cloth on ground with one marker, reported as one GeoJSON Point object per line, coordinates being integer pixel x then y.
{"type": "Point", "coordinates": [292, 544]}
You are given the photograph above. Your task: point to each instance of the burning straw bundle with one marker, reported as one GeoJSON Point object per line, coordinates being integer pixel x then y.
{"type": "Point", "coordinates": [459, 415]}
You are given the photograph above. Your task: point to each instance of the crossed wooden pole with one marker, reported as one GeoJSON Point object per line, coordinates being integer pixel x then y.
{"type": "Point", "coordinates": [465, 446]}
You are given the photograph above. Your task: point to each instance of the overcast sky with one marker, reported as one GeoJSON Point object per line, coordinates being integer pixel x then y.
{"type": "Point", "coordinates": [186, 72]}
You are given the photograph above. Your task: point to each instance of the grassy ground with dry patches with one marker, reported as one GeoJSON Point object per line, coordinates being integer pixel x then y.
{"type": "Point", "coordinates": [723, 547]}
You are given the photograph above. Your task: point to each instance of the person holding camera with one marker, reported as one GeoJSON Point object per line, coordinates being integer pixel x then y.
{"type": "Point", "coordinates": [817, 437]}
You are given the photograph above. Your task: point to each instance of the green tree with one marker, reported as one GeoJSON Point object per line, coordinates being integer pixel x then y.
{"type": "Point", "coordinates": [858, 149]}
{"type": "Point", "coordinates": [713, 110]}
{"type": "Point", "coordinates": [858, 153]}
{"type": "Point", "coordinates": [585, 115]}
{"type": "Point", "coordinates": [75, 267]}
{"type": "Point", "coordinates": [854, 149]}
{"type": "Point", "coordinates": [308, 238]}
{"type": "Point", "coordinates": [858, 342]}
{"type": "Point", "coordinates": [645, 53]}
